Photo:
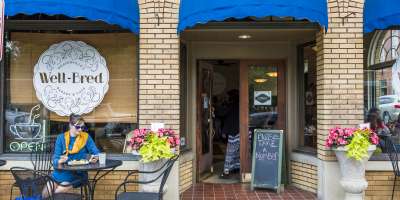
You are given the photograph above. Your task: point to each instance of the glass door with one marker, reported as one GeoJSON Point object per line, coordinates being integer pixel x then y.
{"type": "Point", "coordinates": [205, 131]}
{"type": "Point", "coordinates": [262, 102]}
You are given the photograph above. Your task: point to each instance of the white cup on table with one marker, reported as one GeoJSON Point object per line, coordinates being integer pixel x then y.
{"type": "Point", "coordinates": [102, 158]}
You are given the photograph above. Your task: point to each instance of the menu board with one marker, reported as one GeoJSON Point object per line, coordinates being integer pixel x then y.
{"type": "Point", "coordinates": [267, 159]}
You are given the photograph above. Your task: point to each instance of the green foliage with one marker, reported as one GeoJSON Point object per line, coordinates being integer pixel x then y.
{"type": "Point", "coordinates": [358, 147]}
{"type": "Point", "coordinates": [155, 148]}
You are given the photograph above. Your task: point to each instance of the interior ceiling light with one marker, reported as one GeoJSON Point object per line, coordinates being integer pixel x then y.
{"type": "Point", "coordinates": [260, 80]}
{"type": "Point", "coordinates": [272, 74]}
{"type": "Point", "coordinates": [244, 36]}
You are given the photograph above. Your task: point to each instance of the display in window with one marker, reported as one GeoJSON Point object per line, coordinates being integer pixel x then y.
{"type": "Point", "coordinates": [24, 131]}
{"type": "Point", "coordinates": [71, 77]}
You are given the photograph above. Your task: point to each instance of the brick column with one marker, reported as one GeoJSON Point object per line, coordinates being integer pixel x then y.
{"type": "Point", "coordinates": [159, 63]}
{"type": "Point", "coordinates": [339, 84]}
{"type": "Point", "coordinates": [159, 72]}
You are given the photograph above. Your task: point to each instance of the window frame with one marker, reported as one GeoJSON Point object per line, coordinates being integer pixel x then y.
{"type": "Point", "coordinates": [57, 25]}
{"type": "Point", "coordinates": [301, 103]}
{"type": "Point", "coordinates": [183, 77]}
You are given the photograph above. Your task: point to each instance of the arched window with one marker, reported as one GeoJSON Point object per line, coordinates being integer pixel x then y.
{"type": "Point", "coordinates": [383, 74]}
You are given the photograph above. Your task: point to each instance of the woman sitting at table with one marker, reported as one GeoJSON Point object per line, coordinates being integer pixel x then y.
{"type": "Point", "coordinates": [74, 144]}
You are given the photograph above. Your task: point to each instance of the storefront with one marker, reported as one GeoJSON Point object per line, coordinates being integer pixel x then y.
{"type": "Point", "coordinates": [320, 81]}
{"type": "Point", "coordinates": [314, 63]}
{"type": "Point", "coordinates": [240, 47]}
{"type": "Point", "coordinates": [69, 57]}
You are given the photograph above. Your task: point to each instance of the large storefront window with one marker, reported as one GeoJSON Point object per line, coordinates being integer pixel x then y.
{"type": "Point", "coordinates": [383, 75]}
{"type": "Point", "coordinates": [28, 121]}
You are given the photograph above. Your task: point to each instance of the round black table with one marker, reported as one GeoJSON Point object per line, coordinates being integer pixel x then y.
{"type": "Point", "coordinates": [3, 162]}
{"type": "Point", "coordinates": [101, 171]}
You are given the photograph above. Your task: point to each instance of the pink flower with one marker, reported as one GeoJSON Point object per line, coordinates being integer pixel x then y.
{"type": "Point", "coordinates": [136, 133]}
{"type": "Point", "coordinates": [342, 141]}
{"type": "Point", "coordinates": [374, 138]}
{"type": "Point", "coordinates": [171, 140]}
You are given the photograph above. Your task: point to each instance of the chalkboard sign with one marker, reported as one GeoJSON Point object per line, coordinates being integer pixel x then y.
{"type": "Point", "coordinates": [267, 159]}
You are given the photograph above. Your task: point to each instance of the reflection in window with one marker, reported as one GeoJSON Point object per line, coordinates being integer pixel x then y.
{"type": "Point", "coordinates": [263, 97]}
{"type": "Point", "coordinates": [383, 76]}
{"type": "Point", "coordinates": [27, 121]}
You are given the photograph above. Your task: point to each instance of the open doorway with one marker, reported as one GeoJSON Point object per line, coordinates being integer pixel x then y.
{"type": "Point", "coordinates": [219, 152]}
{"type": "Point", "coordinates": [235, 97]}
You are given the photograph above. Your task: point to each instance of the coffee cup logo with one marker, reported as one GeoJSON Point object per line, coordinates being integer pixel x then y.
{"type": "Point", "coordinates": [71, 77]}
{"type": "Point", "coordinates": [30, 129]}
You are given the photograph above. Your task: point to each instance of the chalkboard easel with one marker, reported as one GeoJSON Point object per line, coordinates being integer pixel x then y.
{"type": "Point", "coordinates": [267, 159]}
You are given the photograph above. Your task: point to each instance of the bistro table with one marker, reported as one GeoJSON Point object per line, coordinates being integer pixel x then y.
{"type": "Point", "coordinates": [101, 171]}
{"type": "Point", "coordinates": [2, 162]}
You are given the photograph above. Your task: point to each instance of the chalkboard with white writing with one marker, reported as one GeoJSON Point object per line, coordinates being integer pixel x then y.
{"type": "Point", "coordinates": [267, 159]}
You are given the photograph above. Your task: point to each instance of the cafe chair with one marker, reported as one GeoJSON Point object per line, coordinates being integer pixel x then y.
{"type": "Point", "coordinates": [41, 159]}
{"type": "Point", "coordinates": [34, 184]}
{"type": "Point", "coordinates": [393, 155]}
{"type": "Point", "coordinates": [165, 171]}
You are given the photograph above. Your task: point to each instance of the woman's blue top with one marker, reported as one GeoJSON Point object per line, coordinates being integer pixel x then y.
{"type": "Point", "coordinates": [67, 176]}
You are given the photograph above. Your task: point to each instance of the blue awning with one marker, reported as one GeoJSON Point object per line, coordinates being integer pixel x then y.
{"type": "Point", "coordinates": [381, 14]}
{"type": "Point", "coordinates": [124, 13]}
{"type": "Point", "coordinates": [194, 12]}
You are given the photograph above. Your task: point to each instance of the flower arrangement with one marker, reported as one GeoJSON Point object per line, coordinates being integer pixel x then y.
{"type": "Point", "coordinates": [154, 145]}
{"type": "Point", "coordinates": [355, 140]}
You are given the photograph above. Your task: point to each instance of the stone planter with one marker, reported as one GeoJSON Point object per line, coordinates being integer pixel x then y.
{"type": "Point", "coordinates": [151, 166]}
{"type": "Point", "coordinates": [353, 173]}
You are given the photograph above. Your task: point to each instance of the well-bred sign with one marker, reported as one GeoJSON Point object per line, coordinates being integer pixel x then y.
{"type": "Point", "coordinates": [71, 77]}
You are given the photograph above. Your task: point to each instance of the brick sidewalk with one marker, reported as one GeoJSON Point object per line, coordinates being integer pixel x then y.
{"type": "Point", "coordinates": [241, 192]}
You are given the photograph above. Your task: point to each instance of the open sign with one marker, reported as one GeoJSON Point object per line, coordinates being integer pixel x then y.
{"type": "Point", "coordinates": [25, 146]}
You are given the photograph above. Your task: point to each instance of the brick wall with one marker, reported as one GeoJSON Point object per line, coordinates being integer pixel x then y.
{"type": "Point", "coordinates": [105, 189]}
{"type": "Point", "coordinates": [304, 176]}
{"type": "Point", "coordinates": [380, 185]}
{"type": "Point", "coordinates": [340, 71]}
{"type": "Point", "coordinates": [159, 64]}
{"type": "Point", "coordinates": [185, 175]}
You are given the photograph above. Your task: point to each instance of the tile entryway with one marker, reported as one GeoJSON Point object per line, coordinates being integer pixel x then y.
{"type": "Point", "coordinates": [208, 191]}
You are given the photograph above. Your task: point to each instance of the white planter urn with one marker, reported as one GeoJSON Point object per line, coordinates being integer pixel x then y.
{"type": "Point", "coordinates": [135, 153]}
{"type": "Point", "coordinates": [151, 166]}
{"type": "Point", "coordinates": [353, 173]}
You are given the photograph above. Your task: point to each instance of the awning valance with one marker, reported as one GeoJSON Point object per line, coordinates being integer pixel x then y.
{"type": "Point", "coordinates": [194, 12]}
{"type": "Point", "coordinates": [124, 13]}
{"type": "Point", "coordinates": [381, 14]}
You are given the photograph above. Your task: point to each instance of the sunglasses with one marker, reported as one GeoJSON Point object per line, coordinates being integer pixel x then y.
{"type": "Point", "coordinates": [79, 127]}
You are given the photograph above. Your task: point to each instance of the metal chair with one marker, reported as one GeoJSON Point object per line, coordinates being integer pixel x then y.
{"type": "Point", "coordinates": [165, 171]}
{"type": "Point", "coordinates": [34, 184]}
{"type": "Point", "coordinates": [393, 155]}
{"type": "Point", "coordinates": [41, 159]}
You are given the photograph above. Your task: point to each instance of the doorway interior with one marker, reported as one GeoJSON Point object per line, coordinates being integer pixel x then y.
{"type": "Point", "coordinates": [235, 97]}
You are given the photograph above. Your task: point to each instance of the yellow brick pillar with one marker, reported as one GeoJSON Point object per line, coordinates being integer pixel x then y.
{"type": "Point", "coordinates": [159, 72]}
{"type": "Point", "coordinates": [339, 85]}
